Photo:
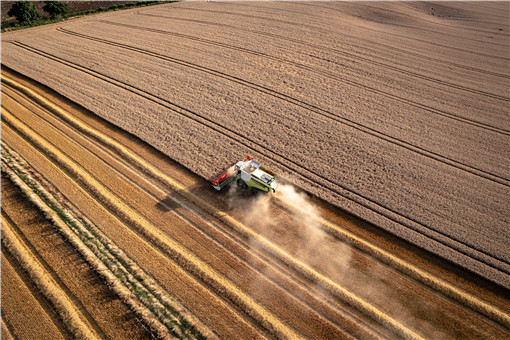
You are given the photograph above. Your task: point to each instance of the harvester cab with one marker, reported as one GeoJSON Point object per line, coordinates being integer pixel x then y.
{"type": "Point", "coordinates": [246, 174]}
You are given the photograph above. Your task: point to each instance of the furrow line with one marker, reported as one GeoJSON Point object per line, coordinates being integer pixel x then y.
{"type": "Point", "coordinates": [366, 46]}
{"type": "Point", "coordinates": [173, 249]}
{"type": "Point", "coordinates": [330, 75]}
{"type": "Point", "coordinates": [206, 274]}
{"type": "Point", "coordinates": [306, 174]}
{"type": "Point", "coordinates": [324, 113]}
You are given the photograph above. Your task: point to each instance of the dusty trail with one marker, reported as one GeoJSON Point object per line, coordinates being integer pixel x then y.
{"type": "Point", "coordinates": [71, 150]}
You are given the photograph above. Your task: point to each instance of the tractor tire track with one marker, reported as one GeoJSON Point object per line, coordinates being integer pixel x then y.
{"type": "Point", "coordinates": [308, 68]}
{"type": "Point", "coordinates": [320, 30]}
{"type": "Point", "coordinates": [366, 47]}
{"type": "Point", "coordinates": [497, 263]}
{"type": "Point", "coordinates": [312, 108]}
{"type": "Point", "coordinates": [344, 80]}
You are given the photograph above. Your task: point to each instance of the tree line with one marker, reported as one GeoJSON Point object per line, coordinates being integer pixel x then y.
{"type": "Point", "coordinates": [26, 14]}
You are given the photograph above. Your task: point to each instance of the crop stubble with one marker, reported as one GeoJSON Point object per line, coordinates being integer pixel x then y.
{"type": "Point", "coordinates": [446, 113]}
{"type": "Point", "coordinates": [99, 306]}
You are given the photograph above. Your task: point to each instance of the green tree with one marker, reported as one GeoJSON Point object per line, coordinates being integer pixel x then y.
{"type": "Point", "coordinates": [55, 9]}
{"type": "Point", "coordinates": [24, 11]}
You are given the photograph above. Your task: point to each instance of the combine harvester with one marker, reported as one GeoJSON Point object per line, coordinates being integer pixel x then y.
{"type": "Point", "coordinates": [246, 174]}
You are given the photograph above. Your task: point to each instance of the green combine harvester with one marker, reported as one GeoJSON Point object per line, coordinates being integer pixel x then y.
{"type": "Point", "coordinates": [246, 174]}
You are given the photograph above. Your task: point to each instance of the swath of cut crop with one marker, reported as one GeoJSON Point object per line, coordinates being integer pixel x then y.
{"type": "Point", "coordinates": [65, 308]}
{"type": "Point", "coordinates": [154, 303]}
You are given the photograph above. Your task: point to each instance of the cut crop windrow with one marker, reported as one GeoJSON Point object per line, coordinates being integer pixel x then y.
{"type": "Point", "coordinates": [67, 311]}
{"type": "Point", "coordinates": [179, 322]}
{"type": "Point", "coordinates": [359, 331]}
{"type": "Point", "coordinates": [174, 250]}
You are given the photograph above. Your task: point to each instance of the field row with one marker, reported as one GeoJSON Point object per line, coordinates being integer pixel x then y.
{"type": "Point", "coordinates": [41, 296]}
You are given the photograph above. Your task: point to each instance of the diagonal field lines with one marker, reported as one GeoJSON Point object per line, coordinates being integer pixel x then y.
{"type": "Point", "coordinates": [182, 256]}
{"type": "Point", "coordinates": [311, 175]}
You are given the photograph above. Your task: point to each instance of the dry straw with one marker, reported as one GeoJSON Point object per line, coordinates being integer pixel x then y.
{"type": "Point", "coordinates": [120, 272]}
{"type": "Point", "coordinates": [168, 310]}
{"type": "Point", "coordinates": [66, 310]}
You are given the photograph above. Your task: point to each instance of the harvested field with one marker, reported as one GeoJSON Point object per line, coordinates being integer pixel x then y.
{"type": "Point", "coordinates": [370, 106]}
{"type": "Point", "coordinates": [348, 100]}
{"type": "Point", "coordinates": [261, 277]}
{"type": "Point", "coordinates": [26, 310]}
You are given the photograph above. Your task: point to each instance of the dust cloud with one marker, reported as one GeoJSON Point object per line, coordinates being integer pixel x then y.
{"type": "Point", "coordinates": [289, 219]}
